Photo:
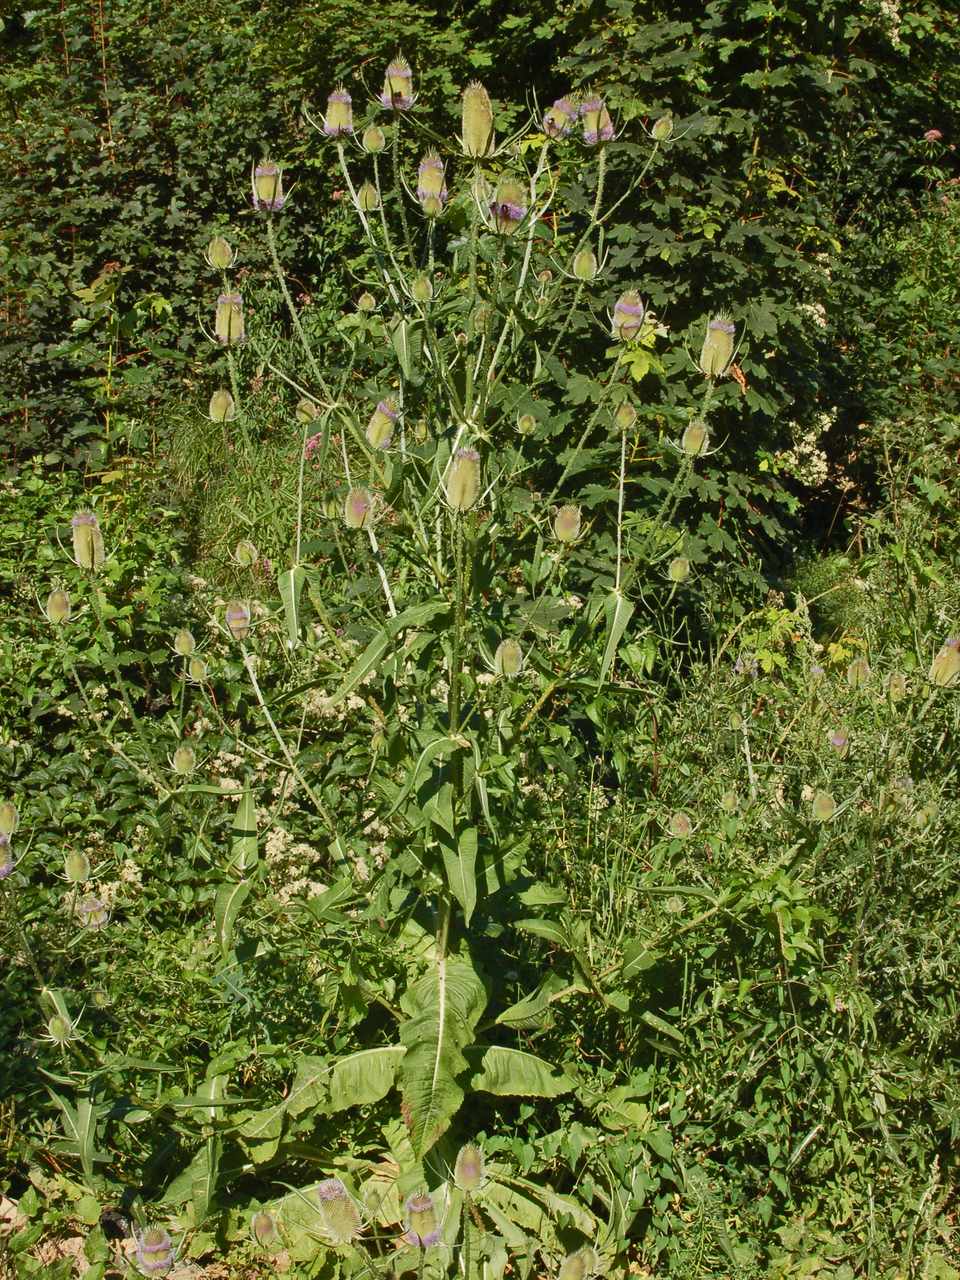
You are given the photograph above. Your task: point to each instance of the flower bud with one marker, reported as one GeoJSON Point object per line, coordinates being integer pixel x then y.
{"type": "Point", "coordinates": [824, 806]}
{"type": "Point", "coordinates": [468, 1171]}
{"type": "Point", "coordinates": [154, 1251]}
{"type": "Point", "coordinates": [597, 125]}
{"type": "Point", "coordinates": [76, 867]}
{"type": "Point", "coordinates": [197, 670]}
{"type": "Point", "coordinates": [695, 439]}
{"type": "Point", "coordinates": [245, 553]}
{"type": "Point", "coordinates": [663, 128]}
{"type": "Point", "coordinates": [87, 540]}
{"type": "Point", "coordinates": [237, 618]}
{"type": "Point", "coordinates": [397, 92]}
{"type": "Point", "coordinates": [184, 643]}
{"type": "Point", "coordinates": [625, 416]}
{"type": "Point", "coordinates": [268, 187]}
{"type": "Point", "coordinates": [678, 570]}
{"type": "Point", "coordinates": [544, 277]}
{"type": "Point", "coordinates": [339, 1216]}
{"type": "Point", "coordinates": [462, 484]}
{"type": "Point", "coordinates": [7, 860]}
{"type": "Point", "coordinates": [184, 759]}
{"type": "Point", "coordinates": [368, 198]}
{"type": "Point", "coordinates": [717, 350]}
{"type": "Point", "coordinates": [508, 660]}
{"type": "Point", "coordinates": [222, 406]}
{"type": "Point", "coordinates": [93, 913]}
{"type": "Point", "coordinates": [423, 1228]}
{"type": "Point", "coordinates": [477, 134]}
{"type": "Point", "coordinates": [422, 290]}
{"type": "Point", "coordinates": [228, 325]}
{"type": "Point", "coordinates": [840, 741]}
{"type": "Point", "coordinates": [58, 607]}
{"type": "Point", "coordinates": [585, 265]}
{"type": "Point", "coordinates": [220, 253]}
{"type": "Point", "coordinates": [559, 120]}
{"type": "Point", "coordinates": [381, 424]}
{"type": "Point", "coordinates": [373, 140]}
{"type": "Point", "coordinates": [858, 672]}
{"type": "Point", "coordinates": [730, 802]}
{"type": "Point", "coordinates": [9, 818]}
{"type": "Point", "coordinates": [945, 668]}
{"type": "Point", "coordinates": [339, 117]}
{"type": "Point", "coordinates": [61, 1030]}
{"type": "Point", "coordinates": [566, 524]}
{"type": "Point", "coordinates": [526, 424]}
{"type": "Point", "coordinates": [580, 1265]}
{"type": "Point", "coordinates": [306, 411]}
{"type": "Point", "coordinates": [628, 316]}
{"type": "Point", "coordinates": [432, 207]}
{"type": "Point", "coordinates": [680, 825]}
{"type": "Point", "coordinates": [358, 509]}
{"type": "Point", "coordinates": [896, 686]}
{"type": "Point", "coordinates": [509, 205]}
{"type": "Point", "coordinates": [366, 301]}
{"type": "Point", "coordinates": [264, 1229]}
{"type": "Point", "coordinates": [431, 181]}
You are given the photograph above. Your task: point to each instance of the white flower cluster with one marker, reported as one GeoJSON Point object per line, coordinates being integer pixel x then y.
{"type": "Point", "coordinates": [805, 460]}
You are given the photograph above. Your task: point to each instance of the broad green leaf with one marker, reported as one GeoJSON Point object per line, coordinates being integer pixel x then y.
{"type": "Point", "coordinates": [438, 747]}
{"type": "Point", "coordinates": [505, 1071]}
{"type": "Point", "coordinates": [290, 584]}
{"type": "Point", "coordinates": [443, 1008]}
{"type": "Point", "coordinates": [618, 610]}
{"type": "Point", "coordinates": [534, 1010]}
{"type": "Point", "coordinates": [637, 956]}
{"type": "Point", "coordinates": [244, 849]}
{"type": "Point", "coordinates": [230, 898]}
{"type": "Point", "coordinates": [460, 865]}
{"type": "Point", "coordinates": [260, 1134]}
{"type": "Point", "coordinates": [548, 929]}
{"type": "Point", "coordinates": [364, 1077]}
{"type": "Point", "coordinates": [204, 1186]}
{"type": "Point", "coordinates": [375, 651]}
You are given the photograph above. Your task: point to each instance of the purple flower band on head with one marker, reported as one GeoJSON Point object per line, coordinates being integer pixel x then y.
{"type": "Point", "coordinates": [724, 326]}
{"type": "Point", "coordinates": [629, 308]}
{"type": "Point", "coordinates": [6, 857]}
{"type": "Point", "coordinates": [385, 409]}
{"type": "Point", "coordinates": [504, 209]}
{"type": "Point", "coordinates": [559, 120]}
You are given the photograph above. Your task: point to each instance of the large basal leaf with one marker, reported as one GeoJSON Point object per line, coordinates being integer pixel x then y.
{"type": "Point", "coordinates": [364, 1077]}
{"type": "Point", "coordinates": [443, 1008]}
{"type": "Point", "coordinates": [507, 1071]}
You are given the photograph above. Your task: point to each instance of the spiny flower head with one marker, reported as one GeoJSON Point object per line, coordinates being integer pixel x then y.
{"type": "Point", "coordinates": [220, 253]}
{"type": "Point", "coordinates": [58, 607]}
{"type": "Point", "coordinates": [509, 206]}
{"type": "Point", "coordinates": [222, 407]}
{"type": "Point", "coordinates": [597, 125]}
{"type": "Point", "coordinates": [339, 1215]}
{"type": "Point", "coordinates": [339, 117]}
{"type": "Point", "coordinates": [398, 92]}
{"type": "Point", "coordinates": [381, 424]}
{"type": "Point", "coordinates": [468, 1172]}
{"type": "Point", "coordinates": [566, 523]}
{"type": "Point", "coordinates": [228, 325]}
{"type": "Point", "coordinates": [507, 661]}
{"type": "Point", "coordinates": [7, 860]}
{"type": "Point", "coordinates": [423, 1227]}
{"type": "Point", "coordinates": [154, 1251]}
{"type": "Point", "coordinates": [431, 184]}
{"type": "Point", "coordinates": [462, 485]}
{"type": "Point", "coordinates": [628, 314]}
{"type": "Point", "coordinates": [87, 540]}
{"type": "Point", "coordinates": [559, 120]}
{"type": "Point", "coordinates": [268, 187]}
{"type": "Point", "coordinates": [716, 353]}
{"type": "Point", "coordinates": [477, 136]}
{"type": "Point", "coordinates": [358, 509]}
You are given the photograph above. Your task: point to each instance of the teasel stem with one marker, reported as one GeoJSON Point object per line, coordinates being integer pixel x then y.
{"type": "Point", "coordinates": [321, 808]}
{"type": "Point", "coordinates": [384, 582]}
{"type": "Point", "coordinates": [397, 190]}
{"type": "Point", "coordinates": [751, 776]}
{"type": "Point", "coordinates": [620, 493]}
{"type": "Point", "coordinates": [388, 243]}
{"type": "Point", "coordinates": [466, 1236]}
{"type": "Point", "coordinates": [615, 377]}
{"type": "Point", "coordinates": [16, 927]}
{"type": "Point", "coordinates": [364, 222]}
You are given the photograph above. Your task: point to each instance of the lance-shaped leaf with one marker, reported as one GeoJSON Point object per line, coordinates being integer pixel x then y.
{"type": "Point", "coordinates": [290, 584]}
{"type": "Point", "coordinates": [243, 848]}
{"type": "Point", "coordinates": [443, 1008]}
{"type": "Point", "coordinates": [460, 864]}
{"type": "Point", "coordinates": [618, 611]}
{"type": "Point", "coordinates": [373, 654]}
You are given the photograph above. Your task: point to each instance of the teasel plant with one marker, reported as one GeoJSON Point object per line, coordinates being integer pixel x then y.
{"type": "Point", "coordinates": [477, 282]}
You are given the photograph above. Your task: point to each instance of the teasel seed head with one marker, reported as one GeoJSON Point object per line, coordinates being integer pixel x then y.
{"type": "Point", "coordinates": [469, 1171]}
{"type": "Point", "coordinates": [422, 289]}
{"type": "Point", "coordinates": [373, 140]}
{"type": "Point", "coordinates": [730, 802]}
{"type": "Point", "coordinates": [431, 180]}
{"type": "Point", "coordinates": [567, 523]}
{"type": "Point", "coordinates": [423, 1227]}
{"type": "Point", "coordinates": [680, 825]}
{"type": "Point", "coordinates": [93, 913]}
{"type": "Point", "coordinates": [824, 806]}
{"type": "Point", "coordinates": [268, 187]}
{"type": "Point", "coordinates": [220, 254]}
{"type": "Point", "coordinates": [228, 325]}
{"type": "Point", "coordinates": [896, 686]}
{"type": "Point", "coordinates": [264, 1229]}
{"type": "Point", "coordinates": [7, 860]}
{"type": "Point", "coordinates": [597, 125]}
{"type": "Point", "coordinates": [585, 265]}
{"type": "Point", "coordinates": [526, 424]}
{"type": "Point", "coordinates": [858, 673]}
{"type": "Point", "coordinates": [368, 198]}
{"type": "Point", "coordinates": [61, 1030]}
{"type": "Point", "coordinates": [477, 134]}
{"type": "Point", "coordinates": [339, 1216]}
{"type": "Point", "coordinates": [716, 353]}
{"type": "Point", "coordinates": [678, 570]}
{"type": "Point", "coordinates": [306, 411]}
{"type": "Point", "coordinates": [184, 759]}
{"type": "Point", "coordinates": [358, 509]}
{"type": "Point", "coordinates": [628, 313]}
{"type": "Point", "coordinates": [398, 92]}
{"type": "Point", "coordinates": [76, 867]}
{"type": "Point", "coordinates": [223, 407]}
{"type": "Point", "coordinates": [580, 1265]}
{"type": "Point", "coordinates": [509, 206]}
{"type": "Point", "coordinates": [945, 667]}
{"type": "Point", "coordinates": [381, 424]}
{"type": "Point", "coordinates": [9, 818]}
{"type": "Point", "coordinates": [246, 554]}
{"type": "Point", "coordinates": [339, 118]}
{"type": "Point", "coordinates": [462, 484]}
{"type": "Point", "coordinates": [508, 660]}
{"type": "Point", "coordinates": [87, 540]}
{"type": "Point", "coordinates": [663, 128]}
{"type": "Point", "coordinates": [154, 1251]}
{"type": "Point", "coordinates": [58, 607]}
{"type": "Point", "coordinates": [558, 120]}
{"type": "Point", "coordinates": [695, 439]}
{"type": "Point", "coordinates": [366, 301]}
{"type": "Point", "coordinates": [197, 670]}
{"type": "Point", "coordinates": [625, 416]}
{"type": "Point", "coordinates": [237, 617]}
